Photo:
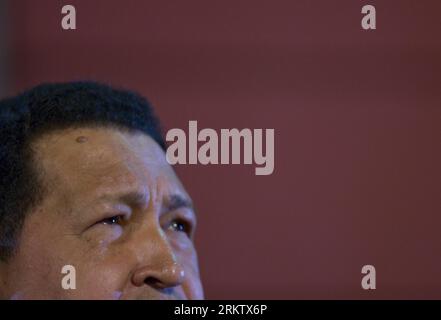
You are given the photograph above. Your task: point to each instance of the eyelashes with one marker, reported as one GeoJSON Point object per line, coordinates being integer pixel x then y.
{"type": "Point", "coordinates": [180, 225]}
{"type": "Point", "coordinates": [112, 220]}
{"type": "Point", "coordinates": [176, 224]}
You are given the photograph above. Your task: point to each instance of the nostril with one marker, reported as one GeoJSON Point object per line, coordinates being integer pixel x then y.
{"type": "Point", "coordinates": [159, 285]}
{"type": "Point", "coordinates": [171, 276]}
{"type": "Point", "coordinates": [153, 282]}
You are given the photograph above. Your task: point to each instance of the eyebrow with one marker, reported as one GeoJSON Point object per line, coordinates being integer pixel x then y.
{"type": "Point", "coordinates": [139, 199]}
{"type": "Point", "coordinates": [131, 198]}
{"type": "Point", "coordinates": [176, 201]}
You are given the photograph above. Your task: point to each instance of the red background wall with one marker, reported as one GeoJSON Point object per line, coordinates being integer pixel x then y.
{"type": "Point", "coordinates": [357, 117]}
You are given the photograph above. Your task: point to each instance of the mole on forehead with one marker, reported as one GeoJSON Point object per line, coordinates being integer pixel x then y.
{"type": "Point", "coordinates": [81, 139]}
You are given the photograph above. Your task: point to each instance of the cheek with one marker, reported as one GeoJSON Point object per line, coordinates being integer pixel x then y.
{"type": "Point", "coordinates": [184, 249]}
{"type": "Point", "coordinates": [102, 237]}
{"type": "Point", "coordinates": [101, 283]}
{"type": "Point", "coordinates": [104, 277]}
{"type": "Point", "coordinates": [107, 265]}
{"type": "Point", "coordinates": [180, 241]}
{"type": "Point", "coordinates": [187, 256]}
{"type": "Point", "coordinates": [35, 273]}
{"type": "Point", "coordinates": [101, 267]}
{"type": "Point", "coordinates": [192, 285]}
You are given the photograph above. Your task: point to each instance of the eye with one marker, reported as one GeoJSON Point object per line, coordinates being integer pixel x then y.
{"type": "Point", "coordinates": [112, 220]}
{"type": "Point", "coordinates": [180, 226]}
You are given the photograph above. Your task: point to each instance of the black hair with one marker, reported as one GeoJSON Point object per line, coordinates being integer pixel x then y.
{"type": "Point", "coordinates": [44, 109]}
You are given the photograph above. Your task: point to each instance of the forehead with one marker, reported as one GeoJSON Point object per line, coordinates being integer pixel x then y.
{"type": "Point", "coordinates": [87, 160]}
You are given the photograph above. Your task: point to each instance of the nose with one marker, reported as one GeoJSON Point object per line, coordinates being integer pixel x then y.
{"type": "Point", "coordinates": [159, 278]}
{"type": "Point", "coordinates": [160, 268]}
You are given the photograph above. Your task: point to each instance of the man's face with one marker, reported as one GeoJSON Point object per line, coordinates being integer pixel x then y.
{"type": "Point", "coordinates": [116, 212]}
